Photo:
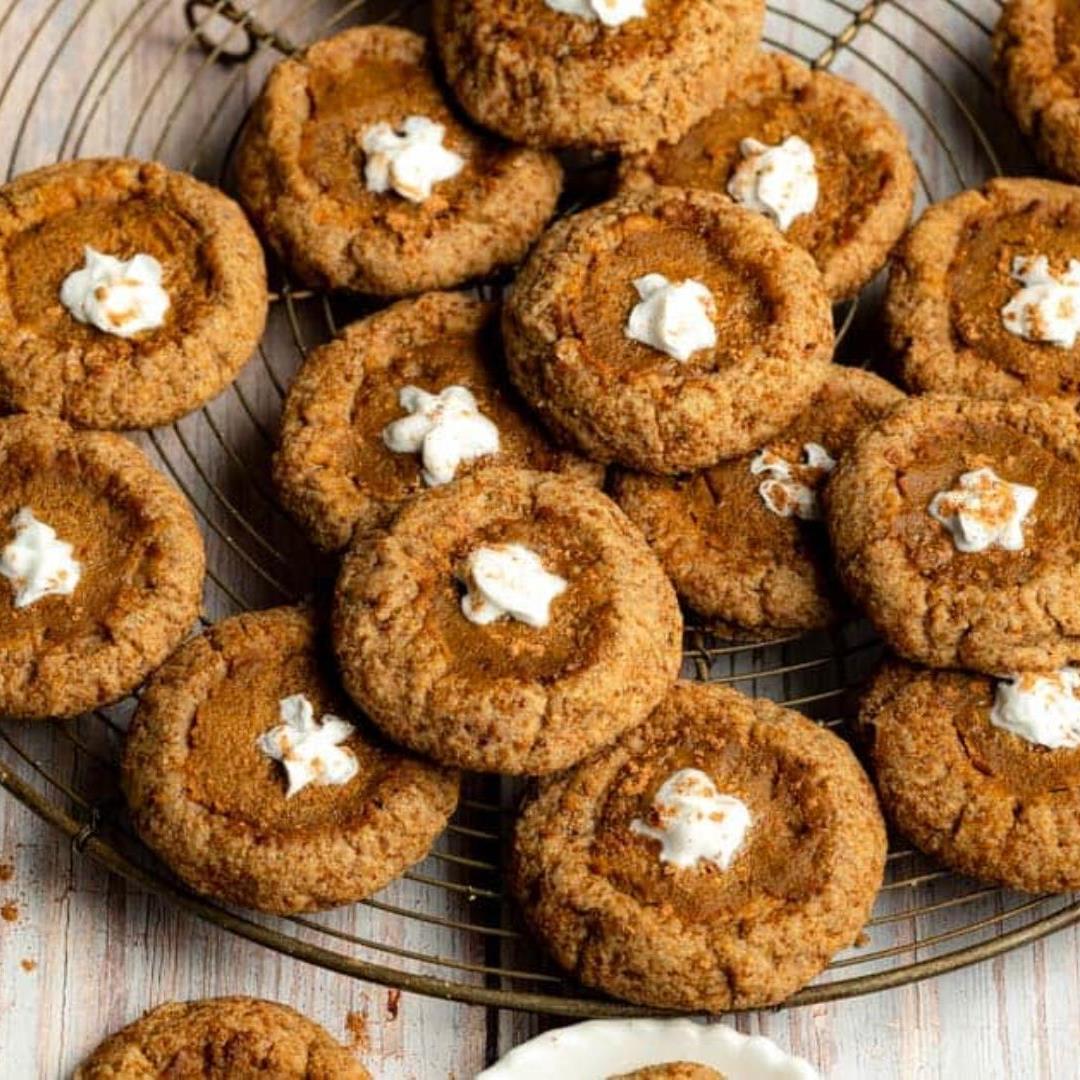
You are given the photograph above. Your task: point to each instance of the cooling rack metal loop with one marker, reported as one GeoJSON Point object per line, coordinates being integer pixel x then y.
{"type": "Point", "coordinates": [173, 79]}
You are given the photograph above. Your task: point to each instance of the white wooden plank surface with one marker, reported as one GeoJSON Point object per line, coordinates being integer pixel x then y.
{"type": "Point", "coordinates": [81, 953]}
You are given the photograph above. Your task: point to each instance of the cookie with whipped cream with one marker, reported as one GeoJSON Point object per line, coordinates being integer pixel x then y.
{"type": "Point", "coordinates": [667, 330]}
{"type": "Point", "coordinates": [411, 398]}
{"type": "Point", "coordinates": [956, 525]}
{"type": "Point", "coordinates": [362, 177]}
{"type": "Point", "coordinates": [982, 773]}
{"type": "Point", "coordinates": [816, 154]}
{"type": "Point", "coordinates": [129, 294]}
{"type": "Point", "coordinates": [248, 772]}
{"type": "Point", "coordinates": [984, 293]}
{"type": "Point", "coordinates": [743, 541]}
{"type": "Point", "coordinates": [715, 857]}
{"type": "Point", "coordinates": [238, 1037]}
{"type": "Point", "coordinates": [510, 622]}
{"type": "Point", "coordinates": [1035, 65]}
{"type": "Point", "coordinates": [603, 74]}
{"type": "Point", "coordinates": [101, 568]}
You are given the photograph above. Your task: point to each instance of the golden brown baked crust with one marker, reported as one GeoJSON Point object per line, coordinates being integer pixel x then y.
{"type": "Point", "coordinates": [866, 176]}
{"type": "Point", "coordinates": [299, 173]}
{"type": "Point", "coordinates": [506, 697]}
{"type": "Point", "coordinates": [982, 800]}
{"type": "Point", "coordinates": [545, 78]}
{"type": "Point", "coordinates": [1037, 66]}
{"type": "Point", "coordinates": [334, 472]}
{"type": "Point", "coordinates": [732, 559]}
{"type": "Point", "coordinates": [799, 890]}
{"type": "Point", "coordinates": [950, 277]}
{"type": "Point", "coordinates": [213, 271]}
{"type": "Point", "coordinates": [229, 1038]}
{"type": "Point", "coordinates": [618, 400]}
{"type": "Point", "coordinates": [142, 565]}
{"type": "Point", "coordinates": [994, 611]}
{"type": "Point", "coordinates": [214, 807]}
{"type": "Point", "coordinates": [676, 1070]}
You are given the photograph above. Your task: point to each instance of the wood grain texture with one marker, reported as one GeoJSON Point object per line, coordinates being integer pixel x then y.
{"type": "Point", "coordinates": [82, 952]}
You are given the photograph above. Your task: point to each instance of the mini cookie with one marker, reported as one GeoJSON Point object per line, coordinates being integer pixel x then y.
{"type": "Point", "coordinates": [816, 154]}
{"type": "Point", "coordinates": [1037, 65]}
{"type": "Point", "coordinates": [983, 775]}
{"type": "Point", "coordinates": [361, 177]}
{"type": "Point", "coordinates": [130, 294]}
{"type": "Point", "coordinates": [714, 858]}
{"type": "Point", "coordinates": [594, 73]}
{"type": "Point", "coordinates": [510, 622]}
{"type": "Point", "coordinates": [410, 398]}
{"type": "Point", "coordinates": [742, 541]}
{"type": "Point", "coordinates": [667, 330]}
{"type": "Point", "coordinates": [229, 1038]}
{"type": "Point", "coordinates": [101, 568]}
{"type": "Point", "coordinates": [247, 772]}
{"type": "Point", "coordinates": [984, 293]}
{"type": "Point", "coordinates": [956, 525]}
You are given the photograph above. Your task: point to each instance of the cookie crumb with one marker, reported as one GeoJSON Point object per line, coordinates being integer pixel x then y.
{"type": "Point", "coordinates": [28, 964]}
{"type": "Point", "coordinates": [7, 871]}
{"type": "Point", "coordinates": [9, 912]}
{"type": "Point", "coordinates": [356, 1026]}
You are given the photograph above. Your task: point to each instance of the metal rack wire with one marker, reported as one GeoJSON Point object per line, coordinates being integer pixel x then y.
{"type": "Point", "coordinates": [446, 929]}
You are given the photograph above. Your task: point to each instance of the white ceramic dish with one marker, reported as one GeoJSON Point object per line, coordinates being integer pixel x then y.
{"type": "Point", "coordinates": [603, 1048]}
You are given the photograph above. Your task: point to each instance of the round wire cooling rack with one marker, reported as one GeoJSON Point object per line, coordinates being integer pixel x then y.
{"type": "Point", "coordinates": [172, 80]}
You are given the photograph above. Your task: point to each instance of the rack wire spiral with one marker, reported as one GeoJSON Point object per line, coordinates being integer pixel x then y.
{"type": "Point", "coordinates": [178, 78]}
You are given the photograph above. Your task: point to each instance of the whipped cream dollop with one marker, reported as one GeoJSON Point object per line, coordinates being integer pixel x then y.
{"type": "Point", "coordinates": [609, 12]}
{"type": "Point", "coordinates": [1047, 308]}
{"type": "Point", "coordinates": [674, 317]}
{"type": "Point", "coordinates": [693, 822]}
{"type": "Point", "coordinates": [983, 511]}
{"type": "Point", "coordinates": [409, 161]}
{"type": "Point", "coordinates": [778, 181]}
{"type": "Point", "coordinates": [309, 749]}
{"type": "Point", "coordinates": [118, 297]}
{"type": "Point", "coordinates": [509, 581]}
{"type": "Point", "coordinates": [790, 489]}
{"type": "Point", "coordinates": [1042, 708]}
{"type": "Point", "coordinates": [446, 429]}
{"type": "Point", "coordinates": [37, 562]}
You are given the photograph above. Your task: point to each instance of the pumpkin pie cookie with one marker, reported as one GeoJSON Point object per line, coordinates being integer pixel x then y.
{"type": "Point", "coordinates": [956, 526]}
{"type": "Point", "coordinates": [984, 293]}
{"type": "Point", "coordinates": [743, 541]}
{"type": "Point", "coordinates": [229, 1038]}
{"type": "Point", "coordinates": [816, 154]}
{"type": "Point", "coordinates": [129, 294]}
{"type": "Point", "coordinates": [714, 858]}
{"type": "Point", "coordinates": [407, 399]}
{"type": "Point", "coordinates": [594, 73]}
{"type": "Point", "coordinates": [667, 330]}
{"type": "Point", "coordinates": [247, 772]}
{"type": "Point", "coordinates": [982, 774]}
{"type": "Point", "coordinates": [511, 622]}
{"type": "Point", "coordinates": [101, 568]}
{"type": "Point", "coordinates": [1037, 65]}
{"type": "Point", "coordinates": [362, 177]}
